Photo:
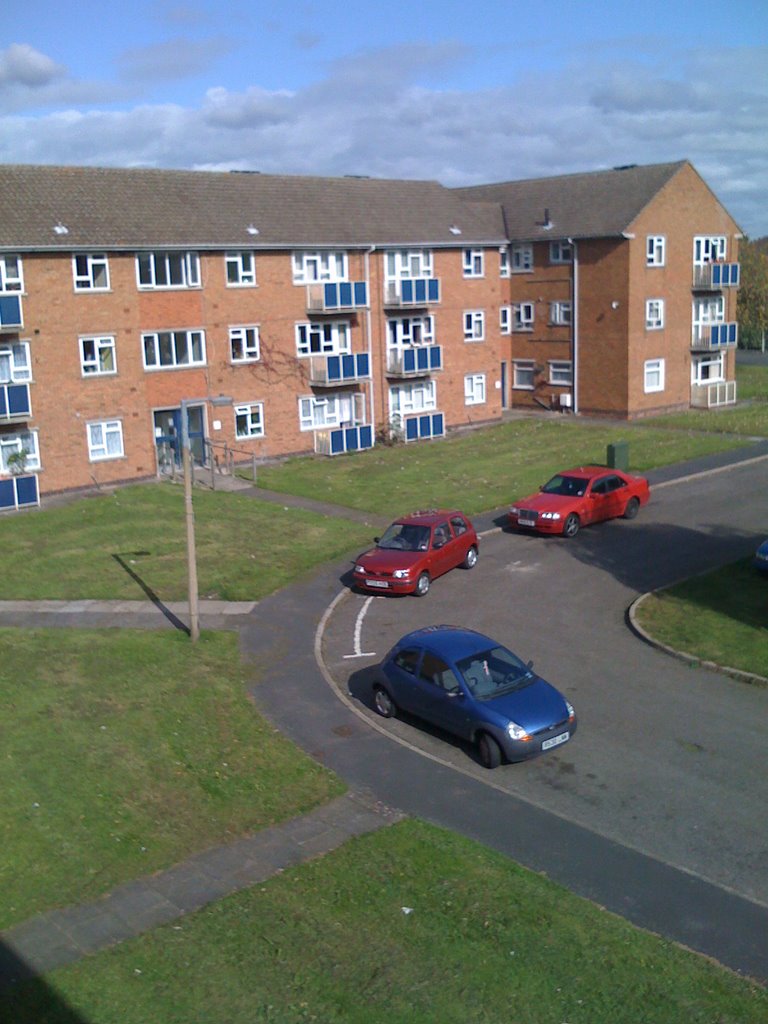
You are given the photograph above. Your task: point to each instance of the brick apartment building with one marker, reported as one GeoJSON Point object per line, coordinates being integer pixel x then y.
{"type": "Point", "coordinates": [293, 314]}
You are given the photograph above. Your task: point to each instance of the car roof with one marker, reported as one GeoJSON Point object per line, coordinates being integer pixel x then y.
{"type": "Point", "coordinates": [428, 517]}
{"type": "Point", "coordinates": [588, 472]}
{"type": "Point", "coordinates": [452, 642]}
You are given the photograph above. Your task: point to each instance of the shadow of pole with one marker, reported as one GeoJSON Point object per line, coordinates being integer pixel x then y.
{"type": "Point", "coordinates": [25, 998]}
{"type": "Point", "coordinates": [173, 619]}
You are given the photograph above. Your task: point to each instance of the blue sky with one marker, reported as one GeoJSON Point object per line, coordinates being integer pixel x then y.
{"type": "Point", "coordinates": [459, 92]}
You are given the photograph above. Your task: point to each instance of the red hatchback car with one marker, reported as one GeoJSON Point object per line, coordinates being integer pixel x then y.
{"type": "Point", "coordinates": [415, 550]}
{"type": "Point", "coordinates": [576, 497]}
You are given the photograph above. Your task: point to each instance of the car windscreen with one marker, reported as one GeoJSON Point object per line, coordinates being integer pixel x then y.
{"type": "Point", "coordinates": [568, 486]}
{"type": "Point", "coordinates": [494, 672]}
{"type": "Point", "coordinates": [405, 537]}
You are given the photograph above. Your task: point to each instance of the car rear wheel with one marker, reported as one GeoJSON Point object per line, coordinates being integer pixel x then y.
{"type": "Point", "coordinates": [422, 584]}
{"type": "Point", "coordinates": [383, 702]}
{"type": "Point", "coordinates": [632, 508]}
{"type": "Point", "coordinates": [489, 750]}
{"type": "Point", "coordinates": [471, 559]}
{"type": "Point", "coordinates": [571, 525]}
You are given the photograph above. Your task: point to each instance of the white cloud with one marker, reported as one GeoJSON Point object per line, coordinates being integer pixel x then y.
{"type": "Point", "coordinates": [21, 65]}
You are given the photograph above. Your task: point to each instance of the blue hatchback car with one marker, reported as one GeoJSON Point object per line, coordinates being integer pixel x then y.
{"type": "Point", "coordinates": [471, 686]}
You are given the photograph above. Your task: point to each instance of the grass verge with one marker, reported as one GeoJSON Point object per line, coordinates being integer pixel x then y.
{"type": "Point", "coordinates": [718, 617]}
{"type": "Point", "coordinates": [124, 752]}
{"type": "Point", "coordinates": [330, 941]}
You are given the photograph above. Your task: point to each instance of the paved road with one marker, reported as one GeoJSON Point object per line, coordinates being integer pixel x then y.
{"type": "Point", "coordinates": [656, 809]}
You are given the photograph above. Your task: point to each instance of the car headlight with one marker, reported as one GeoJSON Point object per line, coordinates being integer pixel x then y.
{"type": "Point", "coordinates": [514, 511]}
{"type": "Point", "coordinates": [359, 569]}
{"type": "Point", "coordinates": [400, 574]}
{"type": "Point", "coordinates": [517, 732]}
{"type": "Point", "coordinates": [550, 515]}
{"type": "Point", "coordinates": [571, 712]}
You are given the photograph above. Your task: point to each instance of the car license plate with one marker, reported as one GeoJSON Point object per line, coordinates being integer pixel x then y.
{"type": "Point", "coordinates": [526, 522]}
{"type": "Point", "coordinates": [377, 583]}
{"type": "Point", "coordinates": [556, 741]}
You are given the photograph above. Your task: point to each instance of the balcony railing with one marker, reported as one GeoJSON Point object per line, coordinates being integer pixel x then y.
{"type": "Point", "coordinates": [18, 492]}
{"type": "Point", "coordinates": [709, 396]}
{"type": "Point", "coordinates": [335, 296]}
{"type": "Point", "coordinates": [412, 291]}
{"type": "Point", "coordinates": [715, 336]}
{"type": "Point", "coordinates": [14, 402]}
{"type": "Point", "coordinates": [415, 362]}
{"type": "Point", "coordinates": [338, 440]}
{"type": "Point", "coordinates": [426, 425]}
{"type": "Point", "coordinates": [328, 371]}
{"type": "Point", "coordinates": [714, 276]}
{"type": "Point", "coordinates": [10, 313]}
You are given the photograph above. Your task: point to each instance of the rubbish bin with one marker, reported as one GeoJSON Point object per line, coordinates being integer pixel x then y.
{"type": "Point", "coordinates": [618, 455]}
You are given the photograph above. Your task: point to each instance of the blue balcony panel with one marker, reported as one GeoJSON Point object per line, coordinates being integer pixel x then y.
{"type": "Point", "coordinates": [347, 367]}
{"type": "Point", "coordinates": [19, 492]}
{"type": "Point", "coordinates": [351, 439]}
{"type": "Point", "coordinates": [344, 295]}
{"type": "Point", "coordinates": [427, 425]}
{"type": "Point", "coordinates": [14, 401]}
{"type": "Point", "coordinates": [10, 312]}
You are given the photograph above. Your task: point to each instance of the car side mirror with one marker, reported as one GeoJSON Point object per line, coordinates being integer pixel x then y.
{"type": "Point", "coordinates": [438, 544]}
{"type": "Point", "coordinates": [376, 540]}
{"type": "Point", "coordinates": [530, 664]}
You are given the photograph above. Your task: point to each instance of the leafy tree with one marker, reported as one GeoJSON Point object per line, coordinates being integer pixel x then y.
{"type": "Point", "coordinates": [753, 293]}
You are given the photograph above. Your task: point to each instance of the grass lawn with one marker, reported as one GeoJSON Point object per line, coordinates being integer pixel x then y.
{"type": "Point", "coordinates": [124, 752]}
{"type": "Point", "coordinates": [88, 549]}
{"type": "Point", "coordinates": [720, 617]}
{"type": "Point", "coordinates": [486, 941]}
{"type": "Point", "coordinates": [749, 417]}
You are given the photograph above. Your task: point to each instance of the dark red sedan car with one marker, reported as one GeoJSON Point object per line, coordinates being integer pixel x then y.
{"type": "Point", "coordinates": [577, 497]}
{"type": "Point", "coordinates": [416, 549]}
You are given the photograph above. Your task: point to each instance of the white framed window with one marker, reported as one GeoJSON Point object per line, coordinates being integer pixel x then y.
{"type": "Point", "coordinates": [522, 258]}
{"type": "Point", "coordinates": [653, 371]}
{"type": "Point", "coordinates": [333, 410]}
{"type": "Point", "coordinates": [505, 319]}
{"type": "Point", "coordinates": [404, 332]}
{"type": "Point", "coordinates": [709, 249]}
{"type": "Point", "coordinates": [655, 251]}
{"type": "Point", "coordinates": [561, 314]}
{"type": "Point", "coordinates": [523, 374]}
{"type": "Point", "coordinates": [473, 262]}
{"type": "Point", "coordinates": [240, 267]}
{"type": "Point", "coordinates": [407, 263]}
{"type": "Point", "coordinates": [244, 344]}
{"type": "Point", "coordinates": [323, 339]}
{"type": "Point", "coordinates": [11, 276]}
{"type": "Point", "coordinates": [504, 261]}
{"type": "Point", "coordinates": [560, 372]}
{"type": "Point", "coordinates": [707, 311]}
{"type": "Point", "coordinates": [249, 420]}
{"type": "Point", "coordinates": [523, 314]}
{"type": "Point", "coordinates": [15, 443]}
{"type": "Point", "coordinates": [173, 349]}
{"type": "Point", "coordinates": [168, 270]}
{"type": "Point", "coordinates": [560, 252]}
{"type": "Point", "coordinates": [474, 389]}
{"type": "Point", "coordinates": [474, 325]}
{"type": "Point", "coordinates": [309, 267]}
{"type": "Point", "coordinates": [105, 440]}
{"type": "Point", "coordinates": [91, 272]}
{"type": "Point", "coordinates": [415, 396]}
{"type": "Point", "coordinates": [654, 314]}
{"type": "Point", "coordinates": [15, 362]}
{"type": "Point", "coordinates": [98, 356]}
{"type": "Point", "coordinates": [708, 369]}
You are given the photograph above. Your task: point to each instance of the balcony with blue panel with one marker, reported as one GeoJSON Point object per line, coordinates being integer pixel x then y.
{"type": "Point", "coordinates": [18, 492]}
{"type": "Point", "coordinates": [10, 313]}
{"type": "Point", "coordinates": [426, 425]}
{"type": "Point", "coordinates": [715, 336]}
{"type": "Point", "coordinates": [342, 440]}
{"type": "Point", "coordinates": [331, 371]}
{"type": "Point", "coordinates": [337, 296]}
{"type": "Point", "coordinates": [412, 291]}
{"type": "Point", "coordinates": [15, 403]}
{"type": "Point", "coordinates": [419, 361]}
{"type": "Point", "coordinates": [713, 277]}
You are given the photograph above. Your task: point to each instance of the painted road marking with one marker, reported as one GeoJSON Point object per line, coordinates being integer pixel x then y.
{"type": "Point", "coordinates": [359, 631]}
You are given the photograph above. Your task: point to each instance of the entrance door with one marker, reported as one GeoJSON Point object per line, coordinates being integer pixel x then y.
{"type": "Point", "coordinates": [504, 387]}
{"type": "Point", "coordinates": [167, 429]}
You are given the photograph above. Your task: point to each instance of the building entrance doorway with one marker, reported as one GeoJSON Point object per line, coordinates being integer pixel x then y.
{"type": "Point", "coordinates": [167, 429]}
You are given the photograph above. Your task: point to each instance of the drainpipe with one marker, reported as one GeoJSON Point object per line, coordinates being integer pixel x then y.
{"type": "Point", "coordinates": [372, 388]}
{"type": "Point", "coordinates": [575, 324]}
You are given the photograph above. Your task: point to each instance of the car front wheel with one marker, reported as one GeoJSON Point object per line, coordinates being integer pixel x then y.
{"type": "Point", "coordinates": [632, 508]}
{"type": "Point", "coordinates": [571, 525]}
{"type": "Point", "coordinates": [422, 584]}
{"type": "Point", "coordinates": [489, 750]}
{"type": "Point", "coordinates": [471, 558]}
{"type": "Point", "coordinates": [383, 702]}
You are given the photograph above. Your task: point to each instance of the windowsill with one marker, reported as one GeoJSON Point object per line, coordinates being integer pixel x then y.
{"type": "Point", "coordinates": [249, 284]}
{"type": "Point", "coordinates": [473, 341]}
{"type": "Point", "coordinates": [522, 330]}
{"type": "Point", "coordinates": [523, 387]}
{"type": "Point", "coordinates": [90, 291]}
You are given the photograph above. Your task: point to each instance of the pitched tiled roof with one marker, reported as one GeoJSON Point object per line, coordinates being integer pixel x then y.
{"type": "Point", "coordinates": [598, 204]}
{"type": "Point", "coordinates": [115, 208]}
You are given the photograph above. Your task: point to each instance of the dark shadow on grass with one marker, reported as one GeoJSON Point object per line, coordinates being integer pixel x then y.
{"type": "Point", "coordinates": [25, 998]}
{"type": "Point", "coordinates": [173, 619]}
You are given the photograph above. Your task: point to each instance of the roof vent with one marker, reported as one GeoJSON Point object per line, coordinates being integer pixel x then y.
{"type": "Point", "coordinates": [625, 167]}
{"type": "Point", "coordinates": [455, 229]}
{"type": "Point", "coordinates": [546, 224]}
{"type": "Point", "coordinates": [252, 229]}
{"type": "Point", "coordinates": [60, 229]}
